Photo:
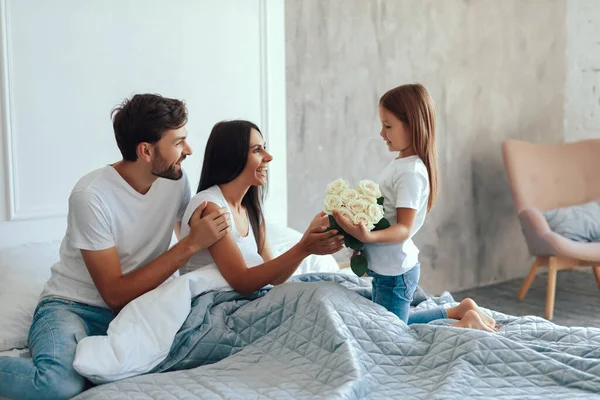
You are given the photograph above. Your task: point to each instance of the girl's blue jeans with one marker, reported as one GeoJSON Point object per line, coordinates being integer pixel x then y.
{"type": "Point", "coordinates": [395, 293]}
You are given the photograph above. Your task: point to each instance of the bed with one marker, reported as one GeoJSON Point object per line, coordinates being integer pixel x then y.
{"type": "Point", "coordinates": [319, 336]}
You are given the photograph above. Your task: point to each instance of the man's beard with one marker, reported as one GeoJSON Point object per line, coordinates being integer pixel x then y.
{"type": "Point", "coordinates": [162, 169]}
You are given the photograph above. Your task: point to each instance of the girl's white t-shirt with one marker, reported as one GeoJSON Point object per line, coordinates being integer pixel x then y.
{"type": "Point", "coordinates": [246, 244]}
{"type": "Point", "coordinates": [404, 183]}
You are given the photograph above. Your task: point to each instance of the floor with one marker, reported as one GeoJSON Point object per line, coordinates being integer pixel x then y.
{"type": "Point", "coordinates": [577, 301]}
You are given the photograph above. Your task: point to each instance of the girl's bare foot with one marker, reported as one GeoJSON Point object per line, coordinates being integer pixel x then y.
{"type": "Point", "coordinates": [461, 310]}
{"type": "Point", "coordinates": [472, 320]}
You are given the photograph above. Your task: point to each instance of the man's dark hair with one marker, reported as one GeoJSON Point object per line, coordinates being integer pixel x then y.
{"type": "Point", "coordinates": [145, 118]}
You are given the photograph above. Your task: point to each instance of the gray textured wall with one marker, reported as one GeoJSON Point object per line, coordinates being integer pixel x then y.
{"type": "Point", "coordinates": [582, 102]}
{"type": "Point", "coordinates": [496, 70]}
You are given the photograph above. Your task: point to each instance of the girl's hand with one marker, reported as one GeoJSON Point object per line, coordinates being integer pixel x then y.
{"type": "Point", "coordinates": [320, 219]}
{"type": "Point", "coordinates": [358, 231]}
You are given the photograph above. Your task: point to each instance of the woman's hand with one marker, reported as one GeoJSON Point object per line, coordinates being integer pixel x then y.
{"type": "Point", "coordinates": [358, 231]}
{"type": "Point", "coordinates": [317, 241]}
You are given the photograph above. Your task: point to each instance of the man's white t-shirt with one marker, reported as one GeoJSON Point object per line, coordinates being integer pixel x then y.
{"type": "Point", "coordinates": [246, 244]}
{"type": "Point", "coordinates": [404, 183]}
{"type": "Point", "coordinates": [104, 212]}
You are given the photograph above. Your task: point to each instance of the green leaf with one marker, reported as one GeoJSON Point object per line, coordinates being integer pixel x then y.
{"type": "Point", "coordinates": [332, 224]}
{"type": "Point", "coordinates": [380, 201]}
{"type": "Point", "coordinates": [382, 224]}
{"type": "Point", "coordinates": [358, 264]}
{"type": "Point", "coordinates": [352, 243]}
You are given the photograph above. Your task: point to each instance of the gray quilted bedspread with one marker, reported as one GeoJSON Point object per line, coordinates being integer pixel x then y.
{"type": "Point", "coordinates": [328, 340]}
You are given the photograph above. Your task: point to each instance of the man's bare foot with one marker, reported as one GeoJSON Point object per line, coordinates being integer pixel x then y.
{"type": "Point", "coordinates": [472, 320]}
{"type": "Point", "coordinates": [467, 305]}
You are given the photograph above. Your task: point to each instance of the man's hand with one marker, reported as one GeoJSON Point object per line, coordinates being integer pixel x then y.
{"type": "Point", "coordinates": [208, 229]}
{"type": "Point", "coordinates": [118, 289]}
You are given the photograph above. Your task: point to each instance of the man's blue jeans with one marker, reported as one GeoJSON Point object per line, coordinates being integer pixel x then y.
{"type": "Point", "coordinates": [395, 293]}
{"type": "Point", "coordinates": [57, 327]}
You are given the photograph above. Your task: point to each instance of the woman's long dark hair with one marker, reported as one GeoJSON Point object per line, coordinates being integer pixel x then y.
{"type": "Point", "coordinates": [225, 158]}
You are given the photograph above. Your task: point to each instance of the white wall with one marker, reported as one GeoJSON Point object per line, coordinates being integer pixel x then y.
{"type": "Point", "coordinates": [66, 63]}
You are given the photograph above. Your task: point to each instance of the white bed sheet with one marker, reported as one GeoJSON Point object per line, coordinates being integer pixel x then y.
{"type": "Point", "coordinates": [16, 353]}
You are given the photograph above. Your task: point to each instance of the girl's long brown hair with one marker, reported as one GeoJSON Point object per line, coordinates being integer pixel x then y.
{"type": "Point", "coordinates": [413, 105]}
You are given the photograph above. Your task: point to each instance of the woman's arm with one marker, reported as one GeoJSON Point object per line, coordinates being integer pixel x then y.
{"type": "Point", "coordinates": [394, 234]}
{"type": "Point", "coordinates": [285, 274]}
{"type": "Point", "coordinates": [232, 266]}
{"type": "Point", "coordinates": [319, 220]}
{"type": "Point", "coordinates": [267, 255]}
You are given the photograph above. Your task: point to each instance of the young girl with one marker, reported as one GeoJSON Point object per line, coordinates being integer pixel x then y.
{"type": "Point", "coordinates": [409, 187]}
{"type": "Point", "coordinates": [234, 177]}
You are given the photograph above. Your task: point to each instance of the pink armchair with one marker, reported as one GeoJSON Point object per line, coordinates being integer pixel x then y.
{"type": "Point", "coordinates": [545, 177]}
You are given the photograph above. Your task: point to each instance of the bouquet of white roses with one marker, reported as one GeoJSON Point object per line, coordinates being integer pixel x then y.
{"type": "Point", "coordinates": [363, 204]}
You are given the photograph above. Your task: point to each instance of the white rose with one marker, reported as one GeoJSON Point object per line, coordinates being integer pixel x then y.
{"type": "Point", "coordinates": [336, 186]}
{"type": "Point", "coordinates": [363, 218]}
{"type": "Point", "coordinates": [331, 202]}
{"type": "Point", "coordinates": [357, 206]}
{"type": "Point", "coordinates": [374, 212]}
{"type": "Point", "coordinates": [348, 195]}
{"type": "Point", "coordinates": [369, 188]}
{"type": "Point", "coordinates": [346, 213]}
{"type": "Point", "coordinates": [368, 199]}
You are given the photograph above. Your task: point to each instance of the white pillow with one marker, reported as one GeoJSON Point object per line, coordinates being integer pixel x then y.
{"type": "Point", "coordinates": [24, 270]}
{"type": "Point", "coordinates": [282, 238]}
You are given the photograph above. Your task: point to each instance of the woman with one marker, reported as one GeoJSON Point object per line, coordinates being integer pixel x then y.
{"type": "Point", "coordinates": [234, 176]}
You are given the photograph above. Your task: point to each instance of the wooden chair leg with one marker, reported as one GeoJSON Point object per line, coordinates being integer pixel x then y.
{"type": "Point", "coordinates": [597, 274]}
{"type": "Point", "coordinates": [552, 270]}
{"type": "Point", "coordinates": [529, 279]}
